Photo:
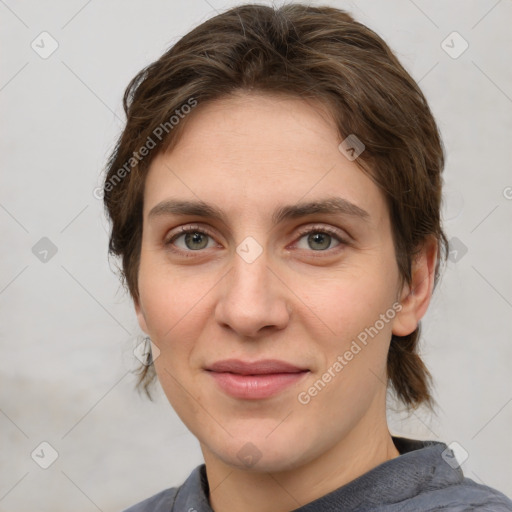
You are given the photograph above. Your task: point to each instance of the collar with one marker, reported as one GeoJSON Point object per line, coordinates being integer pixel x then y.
{"type": "Point", "coordinates": [419, 468]}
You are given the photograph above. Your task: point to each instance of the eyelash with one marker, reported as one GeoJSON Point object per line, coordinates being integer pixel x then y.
{"type": "Point", "coordinates": [315, 229]}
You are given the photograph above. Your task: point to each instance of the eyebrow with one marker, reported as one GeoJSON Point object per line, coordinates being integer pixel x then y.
{"type": "Point", "coordinates": [330, 205]}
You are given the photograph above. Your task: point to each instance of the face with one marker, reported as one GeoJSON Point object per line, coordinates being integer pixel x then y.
{"type": "Point", "coordinates": [273, 318]}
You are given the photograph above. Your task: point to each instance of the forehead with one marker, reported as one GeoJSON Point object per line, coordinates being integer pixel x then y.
{"type": "Point", "coordinates": [248, 153]}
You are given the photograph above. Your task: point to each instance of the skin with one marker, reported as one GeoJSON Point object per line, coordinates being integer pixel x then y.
{"type": "Point", "coordinates": [248, 154]}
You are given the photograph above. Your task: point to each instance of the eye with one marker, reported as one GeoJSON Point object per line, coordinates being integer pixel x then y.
{"type": "Point", "coordinates": [320, 238]}
{"type": "Point", "coordinates": [194, 239]}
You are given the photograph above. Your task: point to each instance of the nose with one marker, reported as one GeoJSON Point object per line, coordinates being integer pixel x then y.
{"type": "Point", "coordinates": [253, 299]}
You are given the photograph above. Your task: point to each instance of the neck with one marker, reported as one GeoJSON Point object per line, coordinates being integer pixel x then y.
{"type": "Point", "coordinates": [361, 450]}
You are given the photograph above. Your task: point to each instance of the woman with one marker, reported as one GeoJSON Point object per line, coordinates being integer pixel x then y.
{"type": "Point", "coordinates": [260, 134]}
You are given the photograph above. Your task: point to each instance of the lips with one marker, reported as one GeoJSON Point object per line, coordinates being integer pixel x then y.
{"type": "Point", "coordinates": [264, 367]}
{"type": "Point", "coordinates": [255, 380]}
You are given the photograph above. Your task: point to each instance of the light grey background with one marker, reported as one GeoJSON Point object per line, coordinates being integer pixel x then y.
{"type": "Point", "coordinates": [68, 329]}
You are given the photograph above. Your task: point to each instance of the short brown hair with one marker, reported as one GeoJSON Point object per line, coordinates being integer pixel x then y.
{"type": "Point", "coordinates": [317, 53]}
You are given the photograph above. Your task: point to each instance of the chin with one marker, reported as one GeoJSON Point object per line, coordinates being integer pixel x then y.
{"type": "Point", "coordinates": [262, 453]}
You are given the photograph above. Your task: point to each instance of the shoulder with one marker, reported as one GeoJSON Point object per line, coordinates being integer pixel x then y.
{"type": "Point", "coordinates": [161, 502]}
{"type": "Point", "coordinates": [191, 495]}
{"type": "Point", "coordinates": [463, 497]}
{"type": "Point", "coordinates": [429, 482]}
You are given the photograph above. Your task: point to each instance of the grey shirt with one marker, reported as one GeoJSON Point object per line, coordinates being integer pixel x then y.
{"type": "Point", "coordinates": [423, 478]}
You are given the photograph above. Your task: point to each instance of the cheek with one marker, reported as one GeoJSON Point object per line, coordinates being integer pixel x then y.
{"type": "Point", "coordinates": [174, 310]}
{"type": "Point", "coordinates": [355, 302]}
{"type": "Point", "coordinates": [185, 397]}
{"type": "Point", "coordinates": [168, 299]}
{"type": "Point", "coordinates": [358, 310]}
{"type": "Point", "coordinates": [355, 358]}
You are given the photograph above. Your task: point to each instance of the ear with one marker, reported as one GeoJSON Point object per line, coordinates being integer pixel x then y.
{"type": "Point", "coordinates": [140, 316]}
{"type": "Point", "coordinates": [415, 298]}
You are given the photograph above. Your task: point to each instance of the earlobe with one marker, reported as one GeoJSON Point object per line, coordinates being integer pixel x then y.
{"type": "Point", "coordinates": [141, 317]}
{"type": "Point", "coordinates": [416, 296]}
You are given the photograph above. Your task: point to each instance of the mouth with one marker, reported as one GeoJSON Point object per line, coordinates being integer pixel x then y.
{"type": "Point", "coordinates": [255, 380]}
